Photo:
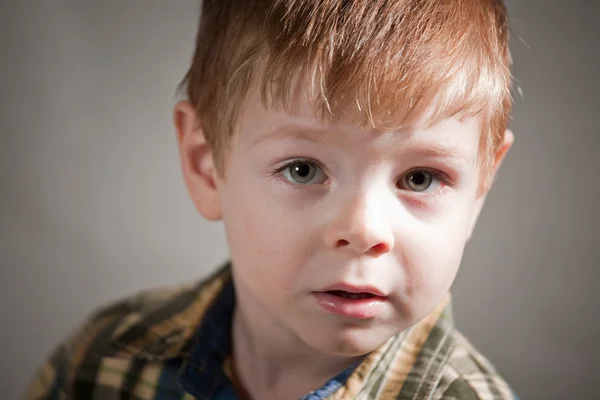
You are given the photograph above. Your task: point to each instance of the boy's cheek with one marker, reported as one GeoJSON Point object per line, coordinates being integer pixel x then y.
{"type": "Point", "coordinates": [264, 230]}
{"type": "Point", "coordinates": [432, 254]}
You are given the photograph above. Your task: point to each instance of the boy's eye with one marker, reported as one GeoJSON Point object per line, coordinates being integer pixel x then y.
{"type": "Point", "coordinates": [420, 181]}
{"type": "Point", "coordinates": [304, 172]}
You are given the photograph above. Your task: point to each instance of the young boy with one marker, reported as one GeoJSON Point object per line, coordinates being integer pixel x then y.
{"type": "Point", "coordinates": [348, 147]}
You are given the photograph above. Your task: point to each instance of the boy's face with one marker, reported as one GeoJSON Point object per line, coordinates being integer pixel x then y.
{"type": "Point", "coordinates": [314, 212]}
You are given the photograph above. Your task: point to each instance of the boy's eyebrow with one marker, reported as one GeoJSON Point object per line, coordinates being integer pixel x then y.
{"type": "Point", "coordinates": [445, 149]}
{"type": "Point", "coordinates": [292, 132]}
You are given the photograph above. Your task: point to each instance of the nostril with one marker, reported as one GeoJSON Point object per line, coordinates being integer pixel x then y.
{"type": "Point", "coordinates": [342, 243]}
{"type": "Point", "coordinates": [379, 248]}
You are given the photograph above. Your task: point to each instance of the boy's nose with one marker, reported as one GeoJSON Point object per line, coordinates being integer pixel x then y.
{"type": "Point", "coordinates": [362, 227]}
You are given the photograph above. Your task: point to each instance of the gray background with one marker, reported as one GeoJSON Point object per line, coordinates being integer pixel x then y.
{"type": "Point", "coordinates": [93, 206]}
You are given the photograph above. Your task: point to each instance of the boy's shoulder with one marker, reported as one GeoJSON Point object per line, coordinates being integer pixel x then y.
{"type": "Point", "coordinates": [139, 344]}
{"type": "Point", "coordinates": [156, 323]}
{"type": "Point", "coordinates": [150, 329]}
{"type": "Point", "coordinates": [468, 374]}
{"type": "Point", "coordinates": [435, 361]}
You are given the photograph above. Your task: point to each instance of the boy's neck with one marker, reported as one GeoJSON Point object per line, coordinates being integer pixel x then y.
{"type": "Point", "coordinates": [271, 362]}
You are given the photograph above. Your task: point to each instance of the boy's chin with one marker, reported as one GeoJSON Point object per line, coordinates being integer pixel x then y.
{"type": "Point", "coordinates": [349, 342]}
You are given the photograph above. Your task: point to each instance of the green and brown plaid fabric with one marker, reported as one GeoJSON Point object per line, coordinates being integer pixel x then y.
{"type": "Point", "coordinates": [137, 348]}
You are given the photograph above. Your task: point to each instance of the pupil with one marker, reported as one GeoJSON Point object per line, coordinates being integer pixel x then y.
{"type": "Point", "coordinates": [302, 169]}
{"type": "Point", "coordinates": [418, 178]}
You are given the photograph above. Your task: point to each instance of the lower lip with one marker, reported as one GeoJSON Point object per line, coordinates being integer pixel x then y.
{"type": "Point", "coordinates": [351, 308]}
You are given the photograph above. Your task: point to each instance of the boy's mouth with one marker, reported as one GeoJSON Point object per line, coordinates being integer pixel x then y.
{"type": "Point", "coordinates": [351, 295]}
{"type": "Point", "coordinates": [361, 302]}
{"type": "Point", "coordinates": [354, 292]}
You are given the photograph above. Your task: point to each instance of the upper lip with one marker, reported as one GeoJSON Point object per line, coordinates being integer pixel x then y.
{"type": "Point", "coordinates": [346, 287]}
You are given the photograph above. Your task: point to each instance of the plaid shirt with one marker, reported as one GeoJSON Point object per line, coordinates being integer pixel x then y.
{"type": "Point", "coordinates": [175, 344]}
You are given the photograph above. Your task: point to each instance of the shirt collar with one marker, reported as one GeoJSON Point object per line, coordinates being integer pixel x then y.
{"type": "Point", "coordinates": [203, 375]}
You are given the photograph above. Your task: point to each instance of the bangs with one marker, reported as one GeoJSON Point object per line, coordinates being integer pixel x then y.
{"type": "Point", "coordinates": [419, 60]}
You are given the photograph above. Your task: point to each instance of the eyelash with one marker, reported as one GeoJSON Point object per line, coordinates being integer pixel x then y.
{"type": "Point", "coordinates": [291, 163]}
{"type": "Point", "coordinates": [436, 173]}
{"type": "Point", "coordinates": [445, 181]}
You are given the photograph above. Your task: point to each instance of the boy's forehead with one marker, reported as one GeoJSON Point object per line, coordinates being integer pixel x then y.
{"type": "Point", "coordinates": [300, 103]}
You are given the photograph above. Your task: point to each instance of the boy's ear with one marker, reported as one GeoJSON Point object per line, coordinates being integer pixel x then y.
{"type": "Point", "coordinates": [507, 143]}
{"type": "Point", "coordinates": [197, 163]}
